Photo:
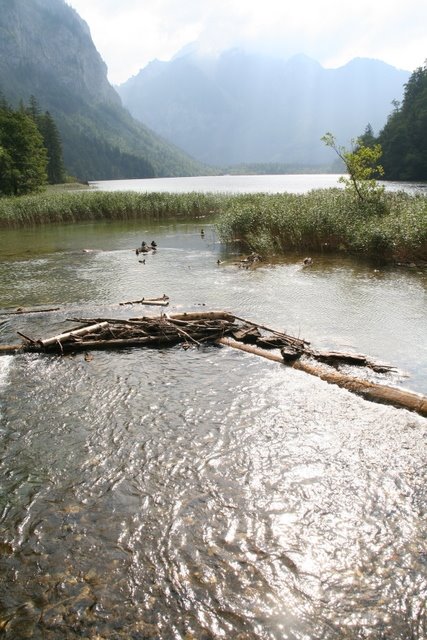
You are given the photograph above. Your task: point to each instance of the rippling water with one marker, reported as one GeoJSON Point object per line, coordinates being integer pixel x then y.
{"type": "Point", "coordinates": [204, 493]}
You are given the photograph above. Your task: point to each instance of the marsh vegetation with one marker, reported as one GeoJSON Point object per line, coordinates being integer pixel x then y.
{"type": "Point", "coordinates": [325, 220]}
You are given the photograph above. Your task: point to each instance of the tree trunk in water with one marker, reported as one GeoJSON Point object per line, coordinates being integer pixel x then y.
{"type": "Point", "coordinates": [369, 390]}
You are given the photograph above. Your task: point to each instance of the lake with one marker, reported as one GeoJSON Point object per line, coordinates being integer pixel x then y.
{"type": "Point", "coordinates": [202, 492]}
{"type": "Point", "coordinates": [292, 183]}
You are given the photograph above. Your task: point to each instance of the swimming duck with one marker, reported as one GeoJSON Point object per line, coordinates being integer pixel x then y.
{"type": "Point", "coordinates": [144, 248]}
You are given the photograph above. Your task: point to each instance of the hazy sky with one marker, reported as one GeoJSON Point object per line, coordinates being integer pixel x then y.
{"type": "Point", "coordinates": [130, 33]}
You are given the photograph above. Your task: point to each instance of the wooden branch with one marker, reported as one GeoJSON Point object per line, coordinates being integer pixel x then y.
{"type": "Point", "coordinates": [201, 315]}
{"type": "Point", "coordinates": [71, 334]}
{"type": "Point", "coordinates": [12, 349]}
{"type": "Point", "coordinates": [156, 302]}
{"type": "Point", "coordinates": [22, 311]}
{"type": "Point", "coordinates": [30, 340]}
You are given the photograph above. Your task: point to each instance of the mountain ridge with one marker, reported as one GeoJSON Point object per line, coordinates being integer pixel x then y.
{"type": "Point", "coordinates": [260, 108]}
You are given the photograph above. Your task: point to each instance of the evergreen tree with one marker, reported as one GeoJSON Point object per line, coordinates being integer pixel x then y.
{"type": "Point", "coordinates": [51, 139]}
{"type": "Point", "coordinates": [367, 139]}
{"type": "Point", "coordinates": [23, 157]}
{"type": "Point", "coordinates": [52, 142]}
{"type": "Point", "coordinates": [34, 108]}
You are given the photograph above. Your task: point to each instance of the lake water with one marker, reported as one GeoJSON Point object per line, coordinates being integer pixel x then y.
{"type": "Point", "coordinates": [293, 183]}
{"type": "Point", "coordinates": [205, 493]}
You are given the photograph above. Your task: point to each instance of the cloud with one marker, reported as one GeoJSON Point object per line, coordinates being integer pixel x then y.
{"type": "Point", "coordinates": [131, 33]}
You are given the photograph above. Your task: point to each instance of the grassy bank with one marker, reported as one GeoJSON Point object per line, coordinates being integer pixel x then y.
{"type": "Point", "coordinates": [322, 220]}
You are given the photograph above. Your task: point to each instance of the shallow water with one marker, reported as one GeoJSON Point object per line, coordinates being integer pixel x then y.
{"type": "Point", "coordinates": [204, 493]}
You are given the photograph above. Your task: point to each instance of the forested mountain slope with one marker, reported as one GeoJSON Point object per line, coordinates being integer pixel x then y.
{"type": "Point", "coordinates": [404, 137]}
{"type": "Point", "coordinates": [46, 51]}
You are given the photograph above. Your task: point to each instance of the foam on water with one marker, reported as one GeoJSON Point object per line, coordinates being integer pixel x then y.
{"type": "Point", "coordinates": [5, 364]}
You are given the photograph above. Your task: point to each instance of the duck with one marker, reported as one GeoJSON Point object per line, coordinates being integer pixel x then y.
{"type": "Point", "coordinates": [307, 262]}
{"type": "Point", "coordinates": [153, 244]}
{"type": "Point", "coordinates": [144, 248]}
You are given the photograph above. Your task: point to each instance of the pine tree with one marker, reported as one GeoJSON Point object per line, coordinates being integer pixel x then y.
{"type": "Point", "coordinates": [23, 157]}
{"type": "Point", "coordinates": [52, 142]}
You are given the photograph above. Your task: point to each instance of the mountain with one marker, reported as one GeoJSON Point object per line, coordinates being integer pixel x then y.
{"type": "Point", "coordinates": [244, 107]}
{"type": "Point", "coordinates": [46, 51]}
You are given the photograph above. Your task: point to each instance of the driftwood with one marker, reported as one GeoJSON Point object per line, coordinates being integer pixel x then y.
{"type": "Point", "coordinates": [280, 337]}
{"type": "Point", "coordinates": [159, 302]}
{"type": "Point", "coordinates": [30, 340]}
{"type": "Point", "coordinates": [21, 311]}
{"type": "Point", "coordinates": [162, 301]}
{"type": "Point", "coordinates": [102, 333]}
{"type": "Point", "coordinates": [335, 358]}
{"type": "Point", "coordinates": [220, 327]}
{"type": "Point", "coordinates": [71, 335]}
{"type": "Point", "coordinates": [292, 348]}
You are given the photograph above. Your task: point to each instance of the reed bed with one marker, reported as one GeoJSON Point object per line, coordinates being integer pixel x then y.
{"type": "Point", "coordinates": [271, 224]}
{"type": "Point", "coordinates": [329, 220]}
{"type": "Point", "coordinates": [66, 207]}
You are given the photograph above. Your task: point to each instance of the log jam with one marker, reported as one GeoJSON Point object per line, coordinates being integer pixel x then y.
{"type": "Point", "coordinates": [221, 327]}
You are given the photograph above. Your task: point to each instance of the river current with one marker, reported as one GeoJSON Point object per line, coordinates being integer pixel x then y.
{"type": "Point", "coordinates": [204, 493]}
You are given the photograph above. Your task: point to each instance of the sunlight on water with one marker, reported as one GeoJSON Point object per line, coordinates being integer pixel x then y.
{"type": "Point", "coordinates": [205, 493]}
{"type": "Point", "coordinates": [5, 363]}
{"type": "Point", "coordinates": [290, 183]}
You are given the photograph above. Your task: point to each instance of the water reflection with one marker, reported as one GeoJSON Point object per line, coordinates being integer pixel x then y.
{"type": "Point", "coordinates": [203, 493]}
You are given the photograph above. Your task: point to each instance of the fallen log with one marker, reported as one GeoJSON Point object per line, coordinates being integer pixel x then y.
{"type": "Point", "coordinates": [369, 390]}
{"type": "Point", "coordinates": [13, 349]}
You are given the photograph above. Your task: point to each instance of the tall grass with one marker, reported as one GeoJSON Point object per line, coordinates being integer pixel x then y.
{"type": "Point", "coordinates": [329, 220]}
{"type": "Point", "coordinates": [66, 207]}
{"type": "Point", "coordinates": [321, 220]}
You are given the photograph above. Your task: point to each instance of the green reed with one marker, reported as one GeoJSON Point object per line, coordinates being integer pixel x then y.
{"type": "Point", "coordinates": [65, 207]}
{"type": "Point", "coordinates": [329, 220]}
{"type": "Point", "coordinates": [321, 220]}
